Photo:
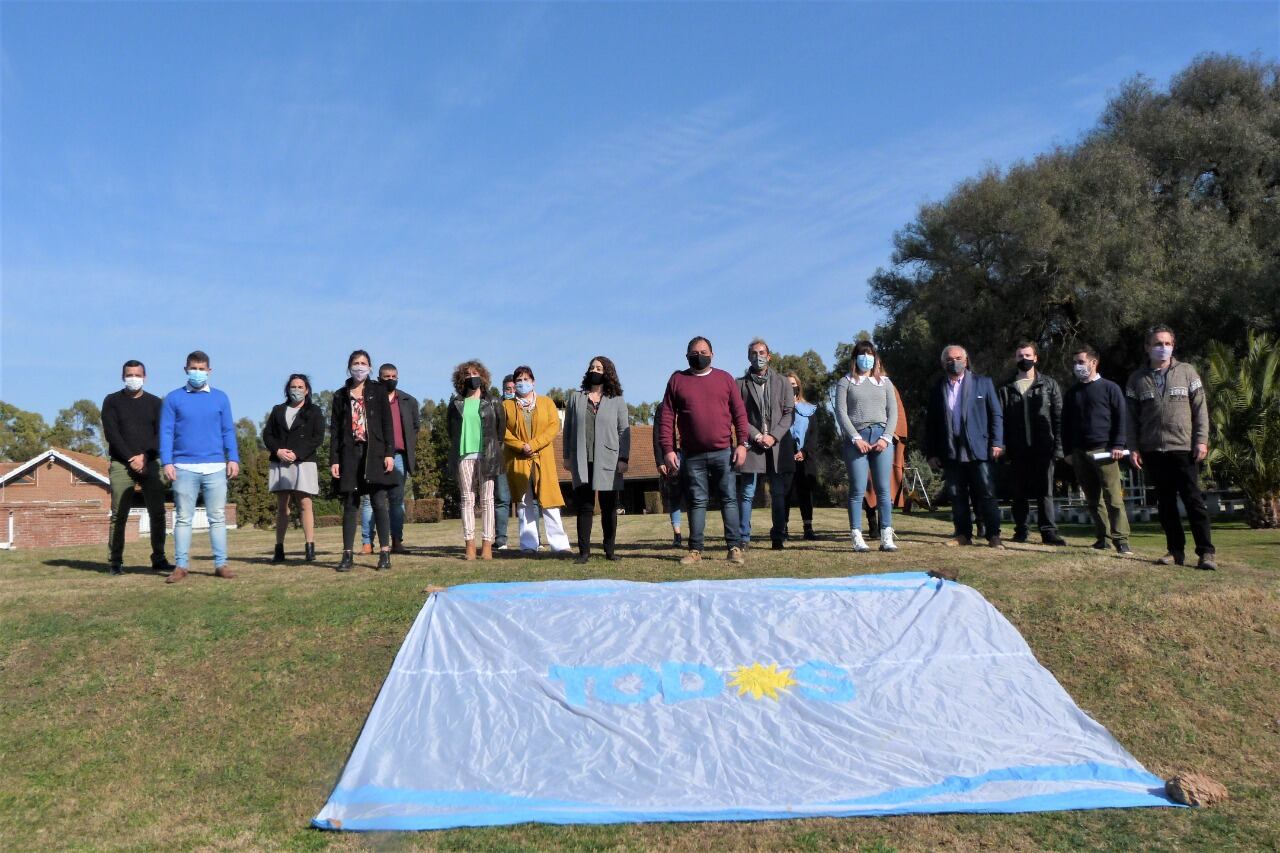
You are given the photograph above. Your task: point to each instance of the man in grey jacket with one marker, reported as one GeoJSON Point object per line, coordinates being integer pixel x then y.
{"type": "Point", "coordinates": [1169, 438]}
{"type": "Point", "coordinates": [771, 448]}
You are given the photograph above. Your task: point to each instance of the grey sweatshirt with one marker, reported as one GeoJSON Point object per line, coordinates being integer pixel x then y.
{"type": "Point", "coordinates": [860, 405]}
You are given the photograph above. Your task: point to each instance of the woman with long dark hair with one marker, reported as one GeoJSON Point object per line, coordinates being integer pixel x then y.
{"type": "Point", "coordinates": [294, 431]}
{"type": "Point", "coordinates": [362, 450]}
{"type": "Point", "coordinates": [597, 445]}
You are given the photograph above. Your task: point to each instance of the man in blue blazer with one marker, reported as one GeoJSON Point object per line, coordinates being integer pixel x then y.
{"type": "Point", "coordinates": [964, 433]}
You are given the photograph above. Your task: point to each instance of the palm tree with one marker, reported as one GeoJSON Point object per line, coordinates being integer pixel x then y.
{"type": "Point", "coordinates": [1244, 406]}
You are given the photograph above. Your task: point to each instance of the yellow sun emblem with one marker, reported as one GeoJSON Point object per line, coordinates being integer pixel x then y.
{"type": "Point", "coordinates": [761, 681]}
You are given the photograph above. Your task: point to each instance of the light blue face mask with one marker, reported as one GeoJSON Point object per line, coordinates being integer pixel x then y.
{"type": "Point", "coordinates": [197, 378]}
{"type": "Point", "coordinates": [524, 388]}
{"type": "Point", "coordinates": [508, 395]}
{"type": "Point", "coordinates": [866, 362]}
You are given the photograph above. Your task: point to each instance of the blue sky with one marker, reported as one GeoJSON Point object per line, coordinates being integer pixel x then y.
{"type": "Point", "coordinates": [280, 184]}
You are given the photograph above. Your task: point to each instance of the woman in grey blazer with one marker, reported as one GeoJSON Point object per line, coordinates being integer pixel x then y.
{"type": "Point", "coordinates": [597, 444]}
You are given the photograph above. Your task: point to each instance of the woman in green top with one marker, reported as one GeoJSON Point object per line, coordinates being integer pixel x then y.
{"type": "Point", "coordinates": [475, 451]}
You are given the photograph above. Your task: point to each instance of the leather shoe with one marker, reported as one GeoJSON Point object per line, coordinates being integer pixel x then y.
{"type": "Point", "coordinates": [310, 552]}
{"type": "Point", "coordinates": [384, 560]}
{"type": "Point", "coordinates": [366, 548]}
{"type": "Point", "coordinates": [224, 572]}
{"type": "Point", "coordinates": [1207, 562]}
{"type": "Point", "coordinates": [1173, 558]}
{"type": "Point", "coordinates": [957, 541]}
{"type": "Point", "coordinates": [994, 542]}
{"type": "Point", "coordinates": [160, 564]}
{"type": "Point", "coordinates": [1019, 537]}
{"type": "Point", "coordinates": [1100, 545]}
{"type": "Point", "coordinates": [1052, 539]}
{"type": "Point", "coordinates": [1123, 548]}
{"type": "Point", "coordinates": [347, 563]}
{"type": "Point", "coordinates": [176, 575]}
{"type": "Point", "coordinates": [117, 568]}
{"type": "Point", "coordinates": [397, 547]}
{"type": "Point", "coordinates": [278, 556]}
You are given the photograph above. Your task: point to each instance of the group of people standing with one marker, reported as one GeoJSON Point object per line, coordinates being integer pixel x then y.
{"type": "Point", "coordinates": [714, 434]}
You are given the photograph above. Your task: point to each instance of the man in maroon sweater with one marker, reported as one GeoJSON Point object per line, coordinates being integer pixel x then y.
{"type": "Point", "coordinates": [705, 405]}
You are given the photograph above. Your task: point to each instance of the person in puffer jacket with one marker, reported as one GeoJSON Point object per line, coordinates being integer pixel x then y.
{"type": "Point", "coordinates": [1169, 438]}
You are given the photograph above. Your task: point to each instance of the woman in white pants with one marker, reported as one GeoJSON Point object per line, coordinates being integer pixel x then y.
{"type": "Point", "coordinates": [532, 425]}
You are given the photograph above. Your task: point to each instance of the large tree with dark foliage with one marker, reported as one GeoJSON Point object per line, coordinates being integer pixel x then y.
{"type": "Point", "coordinates": [1168, 211]}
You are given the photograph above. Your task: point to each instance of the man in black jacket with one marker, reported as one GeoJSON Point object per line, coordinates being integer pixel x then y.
{"type": "Point", "coordinates": [131, 425]}
{"type": "Point", "coordinates": [1093, 432]}
{"type": "Point", "coordinates": [1032, 404]}
{"type": "Point", "coordinates": [406, 419]}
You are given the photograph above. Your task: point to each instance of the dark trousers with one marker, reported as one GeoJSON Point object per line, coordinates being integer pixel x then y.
{"type": "Point", "coordinates": [702, 473]}
{"type": "Point", "coordinates": [1175, 474]}
{"type": "Point", "coordinates": [801, 494]}
{"type": "Point", "coordinates": [967, 481]}
{"type": "Point", "coordinates": [1032, 477]}
{"type": "Point", "coordinates": [395, 500]}
{"type": "Point", "coordinates": [381, 514]}
{"type": "Point", "coordinates": [153, 489]}
{"type": "Point", "coordinates": [501, 509]}
{"type": "Point", "coordinates": [584, 499]}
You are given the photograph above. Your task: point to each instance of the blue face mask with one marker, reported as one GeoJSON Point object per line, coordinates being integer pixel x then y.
{"type": "Point", "coordinates": [508, 395]}
{"type": "Point", "coordinates": [524, 388]}
{"type": "Point", "coordinates": [866, 362]}
{"type": "Point", "coordinates": [197, 378]}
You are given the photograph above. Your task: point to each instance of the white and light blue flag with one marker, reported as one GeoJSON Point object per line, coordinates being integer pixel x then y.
{"type": "Point", "coordinates": [611, 701]}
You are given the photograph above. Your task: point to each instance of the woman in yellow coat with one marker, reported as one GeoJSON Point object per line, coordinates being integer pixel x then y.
{"type": "Point", "coordinates": [532, 424]}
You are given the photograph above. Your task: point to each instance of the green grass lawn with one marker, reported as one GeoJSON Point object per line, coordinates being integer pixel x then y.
{"type": "Point", "coordinates": [217, 714]}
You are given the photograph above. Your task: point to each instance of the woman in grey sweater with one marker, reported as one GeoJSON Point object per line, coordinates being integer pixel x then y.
{"type": "Point", "coordinates": [867, 414]}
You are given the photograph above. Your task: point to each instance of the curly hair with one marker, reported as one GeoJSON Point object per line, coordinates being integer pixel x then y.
{"type": "Point", "coordinates": [612, 387]}
{"type": "Point", "coordinates": [460, 376]}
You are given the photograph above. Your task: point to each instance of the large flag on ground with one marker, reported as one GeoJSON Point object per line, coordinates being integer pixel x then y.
{"type": "Point", "coordinates": [610, 701]}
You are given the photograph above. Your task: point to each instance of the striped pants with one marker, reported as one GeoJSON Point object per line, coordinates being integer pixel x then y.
{"type": "Point", "coordinates": [471, 487]}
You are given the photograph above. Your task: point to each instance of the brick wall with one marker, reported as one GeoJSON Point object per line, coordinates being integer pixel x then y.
{"type": "Point", "coordinates": [45, 525]}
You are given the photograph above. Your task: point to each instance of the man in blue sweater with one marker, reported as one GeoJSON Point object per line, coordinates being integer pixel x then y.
{"type": "Point", "coordinates": [198, 450]}
{"type": "Point", "coordinates": [1093, 435]}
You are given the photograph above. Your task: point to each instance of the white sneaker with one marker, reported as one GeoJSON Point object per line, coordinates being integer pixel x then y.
{"type": "Point", "coordinates": [859, 544]}
{"type": "Point", "coordinates": [886, 540]}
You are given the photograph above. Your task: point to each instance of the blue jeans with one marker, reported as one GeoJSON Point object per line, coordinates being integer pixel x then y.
{"type": "Point", "coordinates": [779, 485]}
{"type": "Point", "coordinates": [704, 471]}
{"type": "Point", "coordinates": [366, 520]}
{"type": "Point", "coordinates": [880, 464]}
{"type": "Point", "coordinates": [186, 490]}
{"type": "Point", "coordinates": [396, 496]}
{"type": "Point", "coordinates": [501, 509]}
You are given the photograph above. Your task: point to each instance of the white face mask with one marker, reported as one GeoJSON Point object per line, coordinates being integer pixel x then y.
{"type": "Point", "coordinates": [1161, 353]}
{"type": "Point", "coordinates": [359, 372]}
{"type": "Point", "coordinates": [1082, 371]}
{"type": "Point", "coordinates": [133, 384]}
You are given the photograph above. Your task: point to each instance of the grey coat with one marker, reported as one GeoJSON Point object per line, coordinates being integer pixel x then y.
{"type": "Point", "coordinates": [613, 441]}
{"type": "Point", "coordinates": [781, 412]}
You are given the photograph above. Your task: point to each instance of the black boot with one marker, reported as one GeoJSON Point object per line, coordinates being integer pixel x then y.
{"type": "Point", "coordinates": [278, 556]}
{"type": "Point", "coordinates": [347, 563]}
{"type": "Point", "coordinates": [808, 531]}
{"type": "Point", "coordinates": [384, 560]}
{"type": "Point", "coordinates": [310, 552]}
{"type": "Point", "coordinates": [584, 556]}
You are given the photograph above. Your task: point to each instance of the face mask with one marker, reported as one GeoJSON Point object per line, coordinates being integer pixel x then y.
{"type": "Point", "coordinates": [390, 384]}
{"type": "Point", "coordinates": [1161, 353]}
{"type": "Point", "coordinates": [955, 366]}
{"type": "Point", "coordinates": [359, 372]}
{"type": "Point", "coordinates": [758, 361]}
{"type": "Point", "coordinates": [866, 362]}
{"type": "Point", "coordinates": [1025, 364]}
{"type": "Point", "coordinates": [197, 378]}
{"type": "Point", "coordinates": [1081, 371]}
{"type": "Point", "coordinates": [475, 382]}
{"type": "Point", "coordinates": [523, 388]}
{"type": "Point", "coordinates": [698, 361]}
{"type": "Point", "coordinates": [508, 395]}
{"type": "Point", "coordinates": [595, 377]}
{"type": "Point", "coordinates": [133, 383]}
{"type": "Point", "coordinates": [297, 395]}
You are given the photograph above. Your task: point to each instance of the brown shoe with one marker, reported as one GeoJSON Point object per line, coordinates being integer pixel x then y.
{"type": "Point", "coordinates": [471, 550]}
{"type": "Point", "coordinates": [946, 574]}
{"type": "Point", "coordinates": [957, 541]}
{"type": "Point", "coordinates": [224, 572]}
{"type": "Point", "coordinates": [397, 547]}
{"type": "Point", "coordinates": [736, 557]}
{"type": "Point", "coordinates": [366, 548]}
{"type": "Point", "coordinates": [176, 575]}
{"type": "Point", "coordinates": [994, 542]}
{"type": "Point", "coordinates": [691, 559]}
{"type": "Point", "coordinates": [1172, 559]}
{"type": "Point", "coordinates": [1208, 562]}
{"type": "Point", "coordinates": [486, 550]}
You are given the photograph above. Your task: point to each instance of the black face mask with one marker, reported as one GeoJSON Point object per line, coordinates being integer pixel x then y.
{"type": "Point", "coordinates": [475, 382]}
{"type": "Point", "coordinates": [390, 384]}
{"type": "Point", "coordinates": [595, 377]}
{"type": "Point", "coordinates": [698, 361]}
{"type": "Point", "coordinates": [1025, 364]}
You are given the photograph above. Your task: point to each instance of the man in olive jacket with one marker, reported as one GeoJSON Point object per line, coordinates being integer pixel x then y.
{"type": "Point", "coordinates": [1032, 404]}
{"type": "Point", "coordinates": [771, 449]}
{"type": "Point", "coordinates": [1169, 438]}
